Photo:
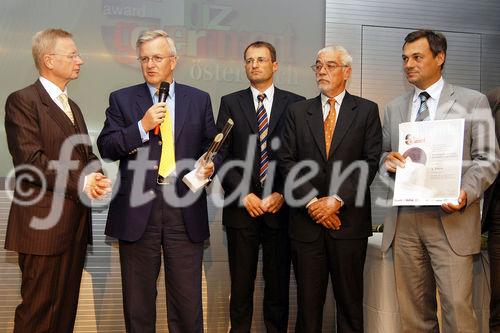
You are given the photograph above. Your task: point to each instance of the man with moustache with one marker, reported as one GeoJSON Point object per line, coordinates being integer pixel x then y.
{"type": "Point", "coordinates": [260, 218]}
{"type": "Point", "coordinates": [434, 246]}
{"type": "Point", "coordinates": [144, 229]}
{"type": "Point", "coordinates": [39, 120]}
{"type": "Point", "coordinates": [329, 227]}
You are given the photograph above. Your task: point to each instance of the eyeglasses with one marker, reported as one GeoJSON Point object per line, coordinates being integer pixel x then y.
{"type": "Point", "coordinates": [156, 59]}
{"type": "Point", "coordinates": [72, 56]}
{"type": "Point", "coordinates": [259, 60]}
{"type": "Point", "coordinates": [330, 67]}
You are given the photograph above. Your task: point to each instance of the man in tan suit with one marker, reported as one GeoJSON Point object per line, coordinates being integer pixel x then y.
{"type": "Point", "coordinates": [49, 225]}
{"type": "Point", "coordinates": [434, 246]}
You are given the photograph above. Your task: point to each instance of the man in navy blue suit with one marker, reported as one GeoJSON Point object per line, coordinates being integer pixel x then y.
{"type": "Point", "coordinates": [143, 215]}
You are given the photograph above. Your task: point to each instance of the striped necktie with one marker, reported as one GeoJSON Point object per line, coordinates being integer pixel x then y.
{"type": "Point", "coordinates": [63, 98]}
{"type": "Point", "coordinates": [329, 125]}
{"type": "Point", "coordinates": [263, 124]}
{"type": "Point", "coordinates": [423, 110]}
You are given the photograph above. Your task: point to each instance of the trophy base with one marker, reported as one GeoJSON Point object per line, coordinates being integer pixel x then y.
{"type": "Point", "coordinates": [193, 182]}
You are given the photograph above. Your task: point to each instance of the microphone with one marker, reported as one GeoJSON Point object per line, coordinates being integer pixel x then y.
{"type": "Point", "coordinates": [162, 97]}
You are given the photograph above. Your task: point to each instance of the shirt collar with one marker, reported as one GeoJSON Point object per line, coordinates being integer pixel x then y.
{"type": "Point", "coordinates": [269, 92]}
{"type": "Point", "coordinates": [434, 90]}
{"type": "Point", "coordinates": [52, 89]}
{"type": "Point", "coordinates": [171, 90]}
{"type": "Point", "coordinates": [338, 99]}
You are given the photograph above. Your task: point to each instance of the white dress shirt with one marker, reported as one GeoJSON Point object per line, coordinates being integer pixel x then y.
{"type": "Point", "coordinates": [268, 101]}
{"type": "Point", "coordinates": [53, 91]}
{"type": "Point", "coordinates": [326, 106]}
{"type": "Point", "coordinates": [432, 102]}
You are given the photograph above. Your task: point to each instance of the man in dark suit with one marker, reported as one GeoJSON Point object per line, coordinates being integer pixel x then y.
{"type": "Point", "coordinates": [49, 225]}
{"type": "Point", "coordinates": [331, 146]}
{"type": "Point", "coordinates": [491, 223]}
{"type": "Point", "coordinates": [259, 218]}
{"type": "Point", "coordinates": [144, 215]}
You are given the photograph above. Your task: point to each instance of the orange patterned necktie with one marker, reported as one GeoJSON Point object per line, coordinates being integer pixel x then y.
{"type": "Point", "coordinates": [329, 125]}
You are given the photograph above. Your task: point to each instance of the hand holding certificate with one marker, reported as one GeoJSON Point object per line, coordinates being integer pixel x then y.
{"type": "Point", "coordinates": [432, 151]}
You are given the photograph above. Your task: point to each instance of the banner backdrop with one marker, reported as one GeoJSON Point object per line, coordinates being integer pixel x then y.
{"type": "Point", "coordinates": [210, 38]}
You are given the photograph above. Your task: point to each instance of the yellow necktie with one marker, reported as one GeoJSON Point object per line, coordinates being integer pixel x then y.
{"type": "Point", "coordinates": [167, 159]}
{"type": "Point", "coordinates": [63, 98]}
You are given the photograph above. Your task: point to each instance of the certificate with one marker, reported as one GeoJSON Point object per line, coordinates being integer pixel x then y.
{"type": "Point", "coordinates": [433, 168]}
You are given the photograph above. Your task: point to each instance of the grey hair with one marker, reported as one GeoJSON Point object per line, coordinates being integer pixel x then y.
{"type": "Point", "coordinates": [147, 36]}
{"type": "Point", "coordinates": [345, 56]}
{"type": "Point", "coordinates": [44, 42]}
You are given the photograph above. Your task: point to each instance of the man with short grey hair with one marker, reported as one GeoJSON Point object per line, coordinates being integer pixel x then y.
{"type": "Point", "coordinates": [146, 229]}
{"type": "Point", "coordinates": [337, 134]}
{"type": "Point", "coordinates": [39, 120]}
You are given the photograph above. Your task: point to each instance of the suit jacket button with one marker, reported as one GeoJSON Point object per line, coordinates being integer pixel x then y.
{"type": "Point", "coordinates": [155, 167]}
{"type": "Point", "coordinates": [159, 143]}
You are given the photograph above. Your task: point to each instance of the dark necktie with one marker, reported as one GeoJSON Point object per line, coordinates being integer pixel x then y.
{"type": "Point", "coordinates": [263, 124]}
{"type": "Point", "coordinates": [423, 110]}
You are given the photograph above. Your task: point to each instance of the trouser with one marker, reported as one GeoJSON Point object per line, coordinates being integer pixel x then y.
{"type": "Point", "coordinates": [424, 260]}
{"type": "Point", "coordinates": [243, 252]}
{"type": "Point", "coordinates": [140, 266]}
{"type": "Point", "coordinates": [50, 286]}
{"type": "Point", "coordinates": [341, 259]}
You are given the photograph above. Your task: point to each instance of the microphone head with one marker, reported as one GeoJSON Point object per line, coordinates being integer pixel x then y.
{"type": "Point", "coordinates": [164, 87]}
{"type": "Point", "coordinates": [163, 91]}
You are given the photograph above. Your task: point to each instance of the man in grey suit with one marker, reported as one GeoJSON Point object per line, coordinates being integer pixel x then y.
{"type": "Point", "coordinates": [434, 246]}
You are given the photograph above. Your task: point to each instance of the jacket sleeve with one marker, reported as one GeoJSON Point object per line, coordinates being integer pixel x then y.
{"type": "Point", "coordinates": [120, 135]}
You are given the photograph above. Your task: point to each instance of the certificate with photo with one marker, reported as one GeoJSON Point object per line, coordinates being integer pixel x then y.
{"type": "Point", "coordinates": [433, 163]}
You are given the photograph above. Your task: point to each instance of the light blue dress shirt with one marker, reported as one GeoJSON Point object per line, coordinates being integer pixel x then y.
{"type": "Point", "coordinates": [171, 107]}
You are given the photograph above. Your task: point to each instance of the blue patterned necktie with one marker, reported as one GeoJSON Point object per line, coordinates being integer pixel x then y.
{"type": "Point", "coordinates": [423, 110]}
{"type": "Point", "coordinates": [263, 125]}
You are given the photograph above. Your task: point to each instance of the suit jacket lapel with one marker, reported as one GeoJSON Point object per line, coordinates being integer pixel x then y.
{"type": "Point", "coordinates": [54, 111]}
{"type": "Point", "coordinates": [277, 109]}
{"type": "Point", "coordinates": [78, 116]}
{"type": "Point", "coordinates": [347, 114]}
{"type": "Point", "coordinates": [59, 117]}
{"type": "Point", "coordinates": [315, 122]}
{"type": "Point", "coordinates": [446, 101]}
{"type": "Point", "coordinates": [143, 101]}
{"type": "Point", "coordinates": [181, 110]}
{"type": "Point", "coordinates": [245, 99]}
{"type": "Point", "coordinates": [406, 107]}
{"type": "Point", "coordinates": [81, 128]}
